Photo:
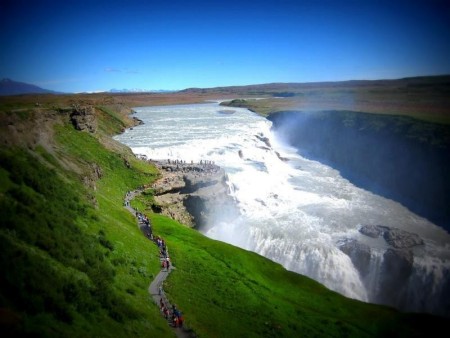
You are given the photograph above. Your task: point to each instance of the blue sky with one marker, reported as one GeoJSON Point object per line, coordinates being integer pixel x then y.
{"type": "Point", "coordinates": [83, 45]}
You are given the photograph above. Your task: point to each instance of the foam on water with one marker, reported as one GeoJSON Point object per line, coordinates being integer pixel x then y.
{"type": "Point", "coordinates": [293, 212]}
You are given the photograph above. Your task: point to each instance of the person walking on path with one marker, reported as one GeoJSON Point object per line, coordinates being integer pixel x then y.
{"type": "Point", "coordinates": [155, 288]}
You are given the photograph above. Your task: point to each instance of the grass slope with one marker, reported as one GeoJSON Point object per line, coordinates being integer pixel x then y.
{"type": "Point", "coordinates": [75, 264]}
{"type": "Point", "coordinates": [229, 292]}
{"type": "Point", "coordinates": [71, 267]}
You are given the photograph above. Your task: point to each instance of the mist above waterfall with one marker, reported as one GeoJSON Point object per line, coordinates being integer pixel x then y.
{"type": "Point", "coordinates": [297, 211]}
{"type": "Point", "coordinates": [395, 156]}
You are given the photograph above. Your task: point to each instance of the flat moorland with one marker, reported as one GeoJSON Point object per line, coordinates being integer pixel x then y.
{"type": "Point", "coordinates": [426, 98]}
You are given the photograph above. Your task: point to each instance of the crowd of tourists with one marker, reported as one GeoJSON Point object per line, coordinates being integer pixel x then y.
{"type": "Point", "coordinates": [144, 224]}
{"type": "Point", "coordinates": [163, 253]}
{"type": "Point", "coordinates": [170, 312]}
{"type": "Point", "coordinates": [203, 167]}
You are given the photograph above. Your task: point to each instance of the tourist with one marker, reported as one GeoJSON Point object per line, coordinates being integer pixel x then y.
{"type": "Point", "coordinates": [175, 320]}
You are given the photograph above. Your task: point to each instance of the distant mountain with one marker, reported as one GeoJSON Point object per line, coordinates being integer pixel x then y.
{"type": "Point", "coordinates": [10, 87]}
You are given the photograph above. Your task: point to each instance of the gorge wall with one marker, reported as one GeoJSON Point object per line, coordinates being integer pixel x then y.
{"type": "Point", "coordinates": [398, 157]}
{"type": "Point", "coordinates": [192, 194]}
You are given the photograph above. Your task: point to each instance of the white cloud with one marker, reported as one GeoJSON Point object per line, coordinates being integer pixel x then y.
{"type": "Point", "coordinates": [112, 70]}
{"type": "Point", "coordinates": [121, 70]}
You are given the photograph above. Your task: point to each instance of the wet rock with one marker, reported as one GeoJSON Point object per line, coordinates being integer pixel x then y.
{"type": "Point", "coordinates": [264, 139]}
{"type": "Point", "coordinates": [373, 231]}
{"type": "Point", "coordinates": [395, 271]}
{"type": "Point", "coordinates": [395, 237]}
{"type": "Point", "coordinates": [227, 112]}
{"type": "Point", "coordinates": [402, 239]}
{"type": "Point", "coordinates": [137, 122]}
{"type": "Point", "coordinates": [398, 263]}
{"type": "Point", "coordinates": [284, 159]}
{"type": "Point", "coordinates": [359, 254]}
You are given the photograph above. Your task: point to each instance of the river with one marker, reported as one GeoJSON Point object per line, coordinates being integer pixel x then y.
{"type": "Point", "coordinates": [294, 211]}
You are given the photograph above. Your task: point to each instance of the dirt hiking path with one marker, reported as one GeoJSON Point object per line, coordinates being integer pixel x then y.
{"type": "Point", "coordinates": [155, 288]}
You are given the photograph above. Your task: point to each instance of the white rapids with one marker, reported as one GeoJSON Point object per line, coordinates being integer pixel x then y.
{"type": "Point", "coordinates": [294, 211]}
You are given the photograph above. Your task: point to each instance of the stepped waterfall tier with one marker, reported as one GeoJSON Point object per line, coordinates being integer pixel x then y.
{"type": "Point", "coordinates": [300, 212]}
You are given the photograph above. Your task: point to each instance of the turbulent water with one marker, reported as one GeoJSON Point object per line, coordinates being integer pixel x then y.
{"type": "Point", "coordinates": [293, 210]}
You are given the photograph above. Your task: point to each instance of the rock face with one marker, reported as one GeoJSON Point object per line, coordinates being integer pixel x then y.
{"type": "Point", "coordinates": [359, 254]}
{"type": "Point", "coordinates": [402, 239]}
{"type": "Point", "coordinates": [83, 118]}
{"type": "Point", "coordinates": [194, 194]}
{"type": "Point", "coordinates": [393, 268]}
{"type": "Point", "coordinates": [373, 231]}
{"type": "Point", "coordinates": [395, 271]}
{"type": "Point", "coordinates": [399, 239]}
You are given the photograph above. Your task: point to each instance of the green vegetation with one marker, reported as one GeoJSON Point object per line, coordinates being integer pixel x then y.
{"type": "Point", "coordinates": [225, 291]}
{"type": "Point", "coordinates": [74, 262]}
{"type": "Point", "coordinates": [111, 123]}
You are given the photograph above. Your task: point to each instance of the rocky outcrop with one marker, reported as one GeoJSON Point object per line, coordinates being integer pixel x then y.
{"type": "Point", "coordinates": [395, 271]}
{"type": "Point", "coordinates": [264, 139]}
{"type": "Point", "coordinates": [94, 174]}
{"type": "Point", "coordinates": [402, 239]}
{"type": "Point", "coordinates": [394, 267]}
{"type": "Point", "coordinates": [397, 238]}
{"type": "Point", "coordinates": [90, 180]}
{"type": "Point", "coordinates": [194, 194]}
{"type": "Point", "coordinates": [373, 231]}
{"type": "Point", "coordinates": [359, 254]}
{"type": "Point", "coordinates": [137, 122]}
{"type": "Point", "coordinates": [83, 118]}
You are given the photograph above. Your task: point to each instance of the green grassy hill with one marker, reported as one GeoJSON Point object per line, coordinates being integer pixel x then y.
{"type": "Point", "coordinates": [75, 264]}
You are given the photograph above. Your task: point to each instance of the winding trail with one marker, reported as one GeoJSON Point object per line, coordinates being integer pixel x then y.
{"type": "Point", "coordinates": [155, 288]}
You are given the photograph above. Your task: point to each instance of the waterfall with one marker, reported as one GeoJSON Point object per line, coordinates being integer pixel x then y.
{"type": "Point", "coordinates": [299, 212]}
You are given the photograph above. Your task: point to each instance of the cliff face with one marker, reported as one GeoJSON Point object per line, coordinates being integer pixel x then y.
{"type": "Point", "coordinates": [193, 193]}
{"type": "Point", "coordinates": [397, 157]}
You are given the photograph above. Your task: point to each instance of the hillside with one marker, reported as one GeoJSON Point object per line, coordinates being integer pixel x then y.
{"type": "Point", "coordinates": [75, 263]}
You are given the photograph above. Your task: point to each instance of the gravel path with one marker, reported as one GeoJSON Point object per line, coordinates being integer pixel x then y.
{"type": "Point", "coordinates": [155, 288]}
